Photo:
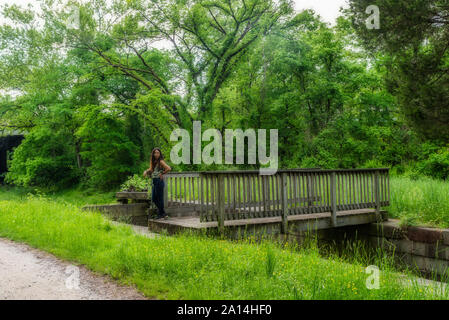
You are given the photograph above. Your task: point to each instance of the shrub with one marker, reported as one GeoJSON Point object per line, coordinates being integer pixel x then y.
{"type": "Point", "coordinates": [136, 183]}
{"type": "Point", "coordinates": [436, 165]}
{"type": "Point", "coordinates": [46, 159]}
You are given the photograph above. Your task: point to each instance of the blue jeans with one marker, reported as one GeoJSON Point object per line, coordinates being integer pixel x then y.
{"type": "Point", "coordinates": [157, 195]}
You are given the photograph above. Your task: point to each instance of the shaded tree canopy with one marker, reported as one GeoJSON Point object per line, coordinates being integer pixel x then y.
{"type": "Point", "coordinates": [413, 41]}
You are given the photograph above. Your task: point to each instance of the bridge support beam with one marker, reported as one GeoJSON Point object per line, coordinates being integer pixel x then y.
{"type": "Point", "coordinates": [377, 196]}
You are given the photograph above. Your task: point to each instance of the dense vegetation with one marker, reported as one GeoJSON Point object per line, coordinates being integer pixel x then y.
{"type": "Point", "coordinates": [413, 42]}
{"type": "Point", "coordinates": [94, 99]}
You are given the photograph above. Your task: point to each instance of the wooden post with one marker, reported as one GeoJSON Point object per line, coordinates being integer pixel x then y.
{"type": "Point", "coordinates": [284, 203]}
{"type": "Point", "coordinates": [333, 200]}
{"type": "Point", "coordinates": [166, 192]}
{"type": "Point", "coordinates": [377, 195]}
{"type": "Point", "coordinates": [221, 201]}
{"type": "Point", "coordinates": [309, 192]}
{"type": "Point", "coordinates": [202, 214]}
{"type": "Point", "coordinates": [264, 196]}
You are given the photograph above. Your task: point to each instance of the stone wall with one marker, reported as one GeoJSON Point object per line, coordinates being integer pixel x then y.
{"type": "Point", "coordinates": [133, 213]}
{"type": "Point", "coordinates": [425, 249]}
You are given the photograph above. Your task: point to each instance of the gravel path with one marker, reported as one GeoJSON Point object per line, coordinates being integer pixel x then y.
{"type": "Point", "coordinates": [27, 273]}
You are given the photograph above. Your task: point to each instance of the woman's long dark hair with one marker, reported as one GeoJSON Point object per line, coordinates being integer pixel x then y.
{"type": "Point", "coordinates": [154, 161]}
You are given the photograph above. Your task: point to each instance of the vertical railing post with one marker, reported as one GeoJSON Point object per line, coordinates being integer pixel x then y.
{"type": "Point", "coordinates": [309, 192]}
{"type": "Point", "coordinates": [221, 201]}
{"type": "Point", "coordinates": [166, 191]}
{"type": "Point", "coordinates": [284, 203]}
{"type": "Point", "coordinates": [377, 195]}
{"type": "Point", "coordinates": [264, 196]}
{"type": "Point", "coordinates": [333, 200]}
{"type": "Point", "coordinates": [388, 187]}
{"type": "Point", "coordinates": [201, 198]}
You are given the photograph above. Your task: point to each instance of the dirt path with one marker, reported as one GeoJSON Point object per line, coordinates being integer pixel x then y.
{"type": "Point", "coordinates": [27, 273]}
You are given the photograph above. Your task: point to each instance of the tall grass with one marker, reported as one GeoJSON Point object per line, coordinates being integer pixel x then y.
{"type": "Point", "coordinates": [422, 201]}
{"type": "Point", "coordinates": [193, 267]}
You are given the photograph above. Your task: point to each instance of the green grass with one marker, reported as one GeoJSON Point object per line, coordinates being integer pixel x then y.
{"type": "Point", "coordinates": [424, 201]}
{"type": "Point", "coordinates": [75, 196]}
{"type": "Point", "coordinates": [193, 267]}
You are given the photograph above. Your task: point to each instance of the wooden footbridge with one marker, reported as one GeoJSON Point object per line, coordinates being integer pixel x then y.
{"type": "Point", "coordinates": [288, 201]}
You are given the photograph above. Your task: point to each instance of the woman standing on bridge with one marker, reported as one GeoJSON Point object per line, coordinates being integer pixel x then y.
{"type": "Point", "coordinates": [157, 169]}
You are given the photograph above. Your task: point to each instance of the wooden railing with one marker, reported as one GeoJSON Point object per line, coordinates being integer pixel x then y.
{"type": "Point", "coordinates": [230, 195]}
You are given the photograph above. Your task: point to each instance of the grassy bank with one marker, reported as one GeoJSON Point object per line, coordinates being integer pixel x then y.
{"type": "Point", "coordinates": [423, 201]}
{"type": "Point", "coordinates": [192, 267]}
{"type": "Point", "coordinates": [75, 196]}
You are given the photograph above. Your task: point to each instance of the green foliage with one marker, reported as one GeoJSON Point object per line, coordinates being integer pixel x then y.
{"type": "Point", "coordinates": [110, 154]}
{"type": "Point", "coordinates": [436, 165]}
{"type": "Point", "coordinates": [334, 105]}
{"type": "Point", "coordinates": [45, 159]}
{"type": "Point", "coordinates": [350, 143]}
{"type": "Point", "coordinates": [412, 42]}
{"type": "Point", "coordinates": [373, 163]}
{"type": "Point", "coordinates": [136, 183]}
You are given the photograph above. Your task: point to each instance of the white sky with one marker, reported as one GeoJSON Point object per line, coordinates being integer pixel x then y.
{"type": "Point", "coordinates": [327, 9]}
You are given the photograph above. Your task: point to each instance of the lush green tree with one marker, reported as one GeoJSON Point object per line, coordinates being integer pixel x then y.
{"type": "Point", "coordinates": [105, 91]}
{"type": "Point", "coordinates": [414, 38]}
{"type": "Point", "coordinates": [110, 154]}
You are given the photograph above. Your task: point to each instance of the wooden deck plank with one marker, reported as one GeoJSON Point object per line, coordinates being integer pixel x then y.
{"type": "Point", "coordinates": [298, 223]}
